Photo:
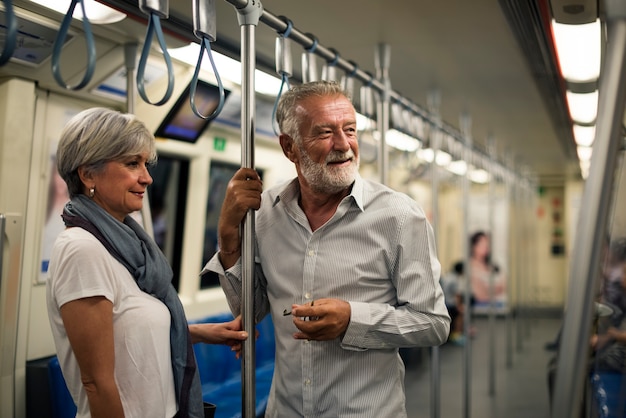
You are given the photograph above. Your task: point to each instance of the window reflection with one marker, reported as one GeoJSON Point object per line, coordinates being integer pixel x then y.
{"type": "Point", "coordinates": [167, 196]}
{"type": "Point", "coordinates": [219, 176]}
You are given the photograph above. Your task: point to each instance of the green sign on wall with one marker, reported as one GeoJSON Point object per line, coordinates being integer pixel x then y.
{"type": "Point", "coordinates": [219, 144]}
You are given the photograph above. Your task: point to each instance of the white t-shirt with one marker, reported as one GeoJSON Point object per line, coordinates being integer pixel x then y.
{"type": "Point", "coordinates": [81, 267]}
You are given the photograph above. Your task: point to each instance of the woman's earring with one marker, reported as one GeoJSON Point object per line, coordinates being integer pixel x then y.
{"type": "Point", "coordinates": [92, 192]}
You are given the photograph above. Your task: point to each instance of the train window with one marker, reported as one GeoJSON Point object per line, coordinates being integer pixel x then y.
{"type": "Point", "coordinates": [167, 199]}
{"type": "Point", "coordinates": [220, 174]}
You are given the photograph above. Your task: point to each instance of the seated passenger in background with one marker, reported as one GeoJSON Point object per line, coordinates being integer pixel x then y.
{"type": "Point", "coordinates": [346, 267]}
{"type": "Point", "coordinates": [609, 343]}
{"type": "Point", "coordinates": [612, 288]}
{"type": "Point", "coordinates": [120, 331]}
{"type": "Point", "coordinates": [453, 285]}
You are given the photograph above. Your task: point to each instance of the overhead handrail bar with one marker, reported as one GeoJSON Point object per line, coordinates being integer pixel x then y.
{"type": "Point", "coordinates": [11, 33]}
{"type": "Point", "coordinates": [283, 67]}
{"type": "Point", "coordinates": [205, 29]}
{"type": "Point", "coordinates": [311, 44]}
{"type": "Point", "coordinates": [307, 41]}
{"type": "Point", "coordinates": [155, 9]}
{"type": "Point", "coordinates": [593, 220]}
{"type": "Point", "coordinates": [60, 41]}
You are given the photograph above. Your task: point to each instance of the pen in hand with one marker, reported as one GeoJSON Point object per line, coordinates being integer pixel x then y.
{"type": "Point", "coordinates": [287, 312]}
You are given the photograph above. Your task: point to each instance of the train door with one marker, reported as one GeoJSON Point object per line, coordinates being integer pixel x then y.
{"type": "Point", "coordinates": [31, 120]}
{"type": "Point", "coordinates": [16, 145]}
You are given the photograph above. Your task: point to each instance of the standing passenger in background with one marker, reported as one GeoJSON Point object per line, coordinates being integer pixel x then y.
{"type": "Point", "coordinates": [482, 268]}
{"type": "Point", "coordinates": [346, 267]}
{"type": "Point", "coordinates": [120, 331]}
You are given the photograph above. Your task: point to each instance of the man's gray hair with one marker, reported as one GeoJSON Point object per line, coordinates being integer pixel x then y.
{"type": "Point", "coordinates": [286, 111]}
{"type": "Point", "coordinates": [96, 136]}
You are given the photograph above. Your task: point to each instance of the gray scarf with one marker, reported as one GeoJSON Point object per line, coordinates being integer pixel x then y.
{"type": "Point", "coordinates": [130, 245]}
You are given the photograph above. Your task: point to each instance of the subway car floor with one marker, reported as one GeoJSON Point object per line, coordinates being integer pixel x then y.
{"type": "Point", "coordinates": [521, 390]}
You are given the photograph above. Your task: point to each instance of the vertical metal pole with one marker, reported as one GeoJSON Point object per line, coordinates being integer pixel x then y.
{"type": "Point", "coordinates": [2, 227]}
{"type": "Point", "coordinates": [466, 123]}
{"type": "Point", "coordinates": [248, 18]}
{"type": "Point", "coordinates": [509, 288]}
{"type": "Point", "coordinates": [519, 285]}
{"type": "Point", "coordinates": [530, 278]}
{"type": "Point", "coordinates": [382, 59]}
{"type": "Point", "coordinates": [7, 362]}
{"type": "Point", "coordinates": [130, 58]}
{"type": "Point", "coordinates": [11, 239]}
{"type": "Point", "coordinates": [435, 135]}
{"type": "Point", "coordinates": [248, 116]}
{"type": "Point", "coordinates": [592, 222]}
{"type": "Point", "coordinates": [492, 302]}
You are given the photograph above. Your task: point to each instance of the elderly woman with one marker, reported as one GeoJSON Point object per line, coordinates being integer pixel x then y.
{"type": "Point", "coordinates": [120, 331]}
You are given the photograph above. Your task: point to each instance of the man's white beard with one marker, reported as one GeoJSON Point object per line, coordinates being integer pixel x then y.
{"type": "Point", "coordinates": [325, 178]}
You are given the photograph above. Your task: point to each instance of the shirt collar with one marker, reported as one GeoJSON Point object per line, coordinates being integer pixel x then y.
{"type": "Point", "coordinates": [291, 192]}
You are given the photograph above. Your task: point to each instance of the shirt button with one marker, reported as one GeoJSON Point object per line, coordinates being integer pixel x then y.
{"type": "Point", "coordinates": [307, 382]}
{"type": "Point", "coordinates": [311, 252]}
{"type": "Point", "coordinates": [307, 295]}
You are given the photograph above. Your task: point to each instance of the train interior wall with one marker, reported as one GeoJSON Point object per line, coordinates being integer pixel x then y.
{"type": "Point", "coordinates": [31, 120]}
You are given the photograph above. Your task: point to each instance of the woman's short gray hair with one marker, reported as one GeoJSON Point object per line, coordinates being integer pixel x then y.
{"type": "Point", "coordinates": [96, 136]}
{"type": "Point", "coordinates": [286, 111]}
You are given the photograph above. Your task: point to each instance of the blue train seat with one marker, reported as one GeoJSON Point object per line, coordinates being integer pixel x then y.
{"type": "Point", "coordinates": [220, 371]}
{"type": "Point", "coordinates": [609, 394]}
{"type": "Point", "coordinates": [62, 403]}
{"type": "Point", "coordinates": [220, 374]}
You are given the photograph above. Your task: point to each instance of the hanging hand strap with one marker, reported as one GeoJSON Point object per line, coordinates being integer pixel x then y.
{"type": "Point", "coordinates": [60, 40]}
{"type": "Point", "coordinates": [206, 44]}
{"type": "Point", "coordinates": [11, 34]}
{"type": "Point", "coordinates": [154, 26]}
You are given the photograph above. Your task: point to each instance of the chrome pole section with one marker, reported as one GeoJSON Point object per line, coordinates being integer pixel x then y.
{"type": "Point", "coordinates": [512, 248]}
{"type": "Point", "coordinates": [531, 273]}
{"type": "Point", "coordinates": [592, 221]}
{"type": "Point", "coordinates": [435, 137]}
{"type": "Point", "coordinates": [519, 285]}
{"type": "Point", "coordinates": [130, 58]}
{"type": "Point", "coordinates": [11, 239]}
{"type": "Point", "coordinates": [2, 227]}
{"type": "Point", "coordinates": [492, 303]}
{"type": "Point", "coordinates": [466, 123]}
{"type": "Point", "coordinates": [529, 279]}
{"type": "Point", "coordinates": [382, 59]}
{"type": "Point", "coordinates": [248, 17]}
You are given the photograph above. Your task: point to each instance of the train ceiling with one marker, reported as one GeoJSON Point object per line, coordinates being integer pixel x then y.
{"type": "Point", "coordinates": [491, 60]}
